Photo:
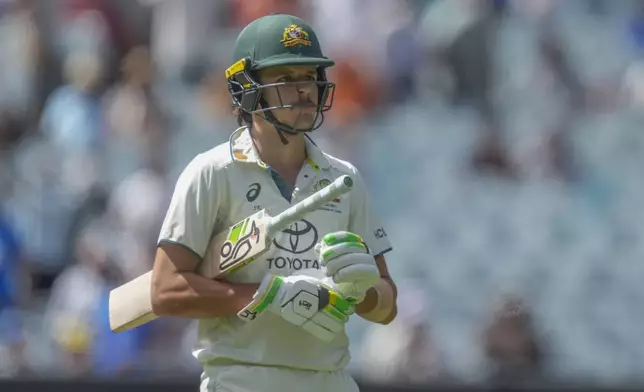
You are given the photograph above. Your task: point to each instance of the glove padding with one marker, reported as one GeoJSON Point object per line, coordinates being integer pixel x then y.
{"type": "Point", "coordinates": [350, 269]}
{"type": "Point", "coordinates": [303, 301]}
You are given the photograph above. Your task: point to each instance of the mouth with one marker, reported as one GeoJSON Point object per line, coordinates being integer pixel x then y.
{"type": "Point", "coordinates": [305, 108]}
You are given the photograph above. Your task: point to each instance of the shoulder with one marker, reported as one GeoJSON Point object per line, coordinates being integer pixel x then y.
{"type": "Point", "coordinates": [209, 163]}
{"type": "Point", "coordinates": [341, 166]}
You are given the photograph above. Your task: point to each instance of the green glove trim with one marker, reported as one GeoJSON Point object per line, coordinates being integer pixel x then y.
{"type": "Point", "coordinates": [270, 294]}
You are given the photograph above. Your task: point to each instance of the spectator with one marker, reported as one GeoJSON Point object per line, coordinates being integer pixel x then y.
{"type": "Point", "coordinates": [72, 123]}
{"type": "Point", "coordinates": [129, 105]}
{"type": "Point", "coordinates": [491, 155]}
{"type": "Point", "coordinates": [11, 287]}
{"type": "Point", "coordinates": [75, 298]}
{"type": "Point", "coordinates": [633, 80]}
{"type": "Point", "coordinates": [71, 119]}
{"type": "Point", "coordinates": [12, 129]}
{"type": "Point", "coordinates": [20, 53]}
{"type": "Point", "coordinates": [137, 207]}
{"type": "Point", "coordinates": [403, 351]}
{"type": "Point", "coordinates": [95, 27]}
{"type": "Point", "coordinates": [512, 347]}
{"type": "Point", "coordinates": [115, 355]}
{"type": "Point", "coordinates": [246, 11]}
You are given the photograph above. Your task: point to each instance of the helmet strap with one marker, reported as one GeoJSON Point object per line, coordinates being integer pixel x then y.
{"type": "Point", "coordinates": [270, 118]}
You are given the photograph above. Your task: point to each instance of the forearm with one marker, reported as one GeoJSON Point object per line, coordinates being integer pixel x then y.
{"type": "Point", "coordinates": [189, 295]}
{"type": "Point", "coordinates": [379, 305]}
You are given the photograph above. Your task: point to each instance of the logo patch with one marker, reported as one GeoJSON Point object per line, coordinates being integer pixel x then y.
{"type": "Point", "coordinates": [241, 239]}
{"type": "Point", "coordinates": [295, 35]}
{"type": "Point", "coordinates": [253, 192]}
{"type": "Point", "coordinates": [321, 184]}
{"type": "Point", "coordinates": [380, 233]}
{"type": "Point", "coordinates": [240, 155]}
{"type": "Point", "coordinates": [299, 238]}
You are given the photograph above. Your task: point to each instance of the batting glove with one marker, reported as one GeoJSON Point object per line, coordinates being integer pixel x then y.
{"type": "Point", "coordinates": [303, 301]}
{"type": "Point", "coordinates": [350, 269]}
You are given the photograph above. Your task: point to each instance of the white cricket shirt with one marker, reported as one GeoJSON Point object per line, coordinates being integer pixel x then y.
{"type": "Point", "coordinates": [223, 186]}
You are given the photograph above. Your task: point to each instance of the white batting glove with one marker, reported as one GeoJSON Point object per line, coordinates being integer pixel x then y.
{"type": "Point", "coordinates": [303, 301]}
{"type": "Point", "coordinates": [350, 269]}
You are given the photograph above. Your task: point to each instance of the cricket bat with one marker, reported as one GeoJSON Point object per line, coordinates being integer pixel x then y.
{"type": "Point", "coordinates": [130, 304]}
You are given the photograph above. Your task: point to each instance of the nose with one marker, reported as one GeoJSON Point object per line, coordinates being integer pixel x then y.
{"type": "Point", "coordinates": [306, 91]}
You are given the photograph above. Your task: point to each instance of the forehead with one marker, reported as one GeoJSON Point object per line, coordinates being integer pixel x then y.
{"type": "Point", "coordinates": [292, 70]}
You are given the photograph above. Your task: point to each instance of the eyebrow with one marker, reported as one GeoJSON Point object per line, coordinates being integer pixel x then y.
{"type": "Point", "coordinates": [293, 72]}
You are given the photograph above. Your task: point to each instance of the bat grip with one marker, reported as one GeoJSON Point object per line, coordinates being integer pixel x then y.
{"type": "Point", "coordinates": [337, 188]}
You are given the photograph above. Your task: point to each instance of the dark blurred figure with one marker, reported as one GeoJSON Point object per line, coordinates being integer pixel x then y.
{"type": "Point", "coordinates": [404, 352]}
{"type": "Point", "coordinates": [12, 129]}
{"type": "Point", "coordinates": [470, 57]}
{"type": "Point", "coordinates": [463, 51]}
{"type": "Point", "coordinates": [512, 347]}
{"type": "Point", "coordinates": [420, 362]}
{"type": "Point", "coordinates": [131, 110]}
{"type": "Point", "coordinates": [91, 207]}
{"type": "Point", "coordinates": [557, 154]}
{"type": "Point", "coordinates": [404, 58]}
{"type": "Point", "coordinates": [554, 57]}
{"type": "Point", "coordinates": [491, 156]}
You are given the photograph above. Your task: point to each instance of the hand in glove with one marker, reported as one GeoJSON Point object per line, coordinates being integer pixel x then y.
{"type": "Point", "coordinates": [350, 269]}
{"type": "Point", "coordinates": [303, 301]}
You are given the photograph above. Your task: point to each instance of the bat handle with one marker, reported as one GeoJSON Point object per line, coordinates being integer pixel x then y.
{"type": "Point", "coordinates": [337, 188]}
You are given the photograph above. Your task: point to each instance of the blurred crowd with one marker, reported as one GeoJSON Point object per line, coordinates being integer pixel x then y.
{"type": "Point", "coordinates": [501, 141]}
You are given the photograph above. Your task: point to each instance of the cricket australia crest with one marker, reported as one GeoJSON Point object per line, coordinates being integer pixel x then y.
{"type": "Point", "coordinates": [295, 35]}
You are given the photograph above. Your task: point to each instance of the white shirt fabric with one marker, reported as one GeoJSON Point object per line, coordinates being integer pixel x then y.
{"type": "Point", "coordinates": [223, 186]}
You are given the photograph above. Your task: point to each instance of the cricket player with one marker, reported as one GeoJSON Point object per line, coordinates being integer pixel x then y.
{"type": "Point", "coordinates": [278, 323]}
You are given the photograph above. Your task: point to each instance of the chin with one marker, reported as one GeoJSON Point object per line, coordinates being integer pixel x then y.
{"type": "Point", "coordinates": [303, 127]}
{"type": "Point", "coordinates": [305, 123]}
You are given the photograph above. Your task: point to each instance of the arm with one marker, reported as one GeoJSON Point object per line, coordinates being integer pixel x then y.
{"type": "Point", "coordinates": [198, 203]}
{"type": "Point", "coordinates": [177, 290]}
{"type": "Point", "coordinates": [379, 306]}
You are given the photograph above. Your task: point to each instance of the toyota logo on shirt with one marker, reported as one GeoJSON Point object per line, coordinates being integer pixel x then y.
{"type": "Point", "coordinates": [299, 238]}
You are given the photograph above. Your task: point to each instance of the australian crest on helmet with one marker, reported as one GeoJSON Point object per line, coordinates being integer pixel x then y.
{"type": "Point", "coordinates": [295, 35]}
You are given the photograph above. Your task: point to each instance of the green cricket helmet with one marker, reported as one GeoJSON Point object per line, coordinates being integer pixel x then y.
{"type": "Point", "coordinates": [271, 41]}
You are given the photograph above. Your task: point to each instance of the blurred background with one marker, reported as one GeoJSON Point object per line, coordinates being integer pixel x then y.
{"type": "Point", "coordinates": [501, 140]}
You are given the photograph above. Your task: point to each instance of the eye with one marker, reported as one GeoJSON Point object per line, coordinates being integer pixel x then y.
{"type": "Point", "coordinates": [285, 78]}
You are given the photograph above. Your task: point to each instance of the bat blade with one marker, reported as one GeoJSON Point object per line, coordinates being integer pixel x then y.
{"type": "Point", "coordinates": [124, 310]}
{"type": "Point", "coordinates": [131, 304]}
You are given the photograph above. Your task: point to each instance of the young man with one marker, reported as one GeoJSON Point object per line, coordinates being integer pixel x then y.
{"type": "Point", "coordinates": [253, 335]}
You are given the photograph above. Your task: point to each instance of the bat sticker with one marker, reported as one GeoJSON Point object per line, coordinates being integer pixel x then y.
{"type": "Point", "coordinates": [235, 249]}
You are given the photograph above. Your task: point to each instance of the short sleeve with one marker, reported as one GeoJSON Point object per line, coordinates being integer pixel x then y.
{"type": "Point", "coordinates": [363, 220]}
{"type": "Point", "coordinates": [194, 207]}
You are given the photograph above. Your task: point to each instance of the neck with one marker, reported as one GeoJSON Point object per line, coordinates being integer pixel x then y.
{"type": "Point", "coordinates": [273, 152]}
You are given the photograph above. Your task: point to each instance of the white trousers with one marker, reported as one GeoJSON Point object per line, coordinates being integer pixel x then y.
{"type": "Point", "coordinates": [241, 378]}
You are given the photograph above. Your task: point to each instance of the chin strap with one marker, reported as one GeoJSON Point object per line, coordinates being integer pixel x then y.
{"type": "Point", "coordinates": [281, 128]}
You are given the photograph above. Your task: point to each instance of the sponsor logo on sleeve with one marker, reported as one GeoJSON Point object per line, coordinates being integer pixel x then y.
{"type": "Point", "coordinates": [380, 233]}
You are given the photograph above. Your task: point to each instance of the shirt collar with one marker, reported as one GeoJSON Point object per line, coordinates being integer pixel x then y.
{"type": "Point", "coordinates": [242, 149]}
